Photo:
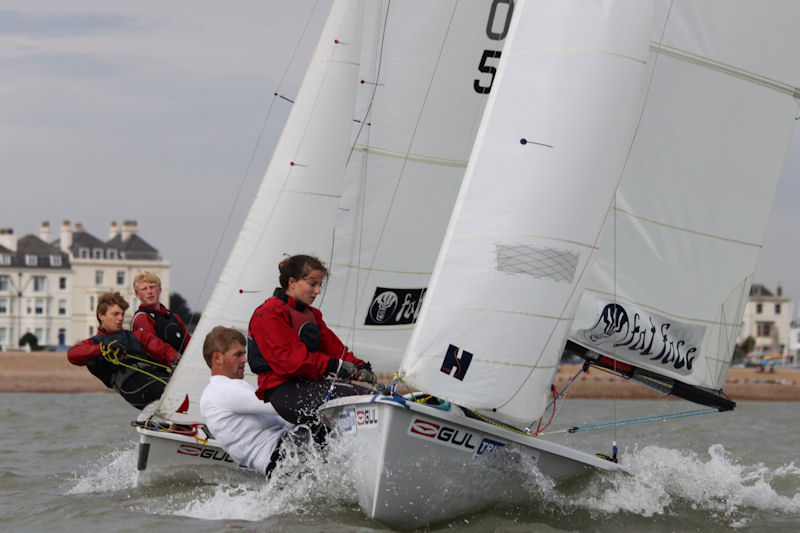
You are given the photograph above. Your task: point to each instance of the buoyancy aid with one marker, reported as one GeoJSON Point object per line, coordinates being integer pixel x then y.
{"type": "Point", "coordinates": [113, 376]}
{"type": "Point", "coordinates": [301, 320]}
{"type": "Point", "coordinates": [166, 326]}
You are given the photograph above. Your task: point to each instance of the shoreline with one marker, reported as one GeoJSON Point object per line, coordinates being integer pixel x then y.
{"type": "Point", "coordinates": [52, 372]}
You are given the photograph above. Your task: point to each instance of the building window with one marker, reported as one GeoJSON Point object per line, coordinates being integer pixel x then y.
{"type": "Point", "coordinates": [62, 283]}
{"type": "Point", "coordinates": [3, 306]}
{"type": "Point", "coordinates": [98, 277]}
{"type": "Point", "coordinates": [120, 277]}
{"type": "Point", "coordinates": [39, 284]}
{"type": "Point", "coordinates": [777, 309]}
{"type": "Point", "coordinates": [62, 336]}
{"type": "Point", "coordinates": [31, 260]}
{"type": "Point", "coordinates": [759, 308]}
{"type": "Point", "coordinates": [97, 253]}
{"type": "Point", "coordinates": [29, 306]}
{"type": "Point", "coordinates": [3, 337]}
{"type": "Point", "coordinates": [55, 260]}
{"type": "Point", "coordinates": [91, 304]}
{"type": "Point", "coordinates": [5, 283]}
{"type": "Point", "coordinates": [763, 329]}
{"type": "Point", "coordinates": [5, 259]}
{"type": "Point", "coordinates": [39, 306]}
{"type": "Point", "coordinates": [84, 253]}
{"type": "Point", "coordinates": [111, 254]}
{"type": "Point", "coordinates": [62, 307]}
{"type": "Point", "coordinates": [40, 340]}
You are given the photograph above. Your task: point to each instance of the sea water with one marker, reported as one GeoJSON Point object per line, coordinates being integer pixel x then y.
{"type": "Point", "coordinates": [68, 463]}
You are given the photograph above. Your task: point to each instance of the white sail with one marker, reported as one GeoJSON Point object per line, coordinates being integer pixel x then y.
{"type": "Point", "coordinates": [560, 120]}
{"type": "Point", "coordinates": [428, 67]}
{"type": "Point", "coordinates": [676, 260]}
{"type": "Point", "coordinates": [296, 206]}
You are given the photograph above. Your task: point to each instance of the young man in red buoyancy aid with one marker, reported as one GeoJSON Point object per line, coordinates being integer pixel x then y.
{"type": "Point", "coordinates": [136, 364]}
{"type": "Point", "coordinates": [155, 318]}
{"type": "Point", "coordinates": [292, 350]}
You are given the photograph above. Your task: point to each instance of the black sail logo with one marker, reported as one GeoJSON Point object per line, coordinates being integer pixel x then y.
{"type": "Point", "coordinates": [393, 307]}
{"type": "Point", "coordinates": [634, 334]}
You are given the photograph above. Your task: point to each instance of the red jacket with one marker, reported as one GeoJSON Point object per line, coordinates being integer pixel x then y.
{"type": "Point", "coordinates": [86, 350]}
{"type": "Point", "coordinates": [142, 320]}
{"type": "Point", "coordinates": [287, 356]}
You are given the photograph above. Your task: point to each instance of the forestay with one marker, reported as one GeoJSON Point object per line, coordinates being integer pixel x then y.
{"type": "Point", "coordinates": [676, 260]}
{"type": "Point", "coordinates": [550, 150]}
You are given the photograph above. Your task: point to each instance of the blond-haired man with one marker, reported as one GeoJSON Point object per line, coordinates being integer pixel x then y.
{"type": "Point", "coordinates": [155, 318]}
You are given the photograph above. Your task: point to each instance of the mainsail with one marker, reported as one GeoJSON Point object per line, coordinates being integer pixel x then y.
{"type": "Point", "coordinates": [364, 176]}
{"type": "Point", "coordinates": [428, 68]}
{"type": "Point", "coordinates": [686, 107]}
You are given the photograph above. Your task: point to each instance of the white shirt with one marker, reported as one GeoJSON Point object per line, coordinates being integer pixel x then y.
{"type": "Point", "coordinates": [247, 428]}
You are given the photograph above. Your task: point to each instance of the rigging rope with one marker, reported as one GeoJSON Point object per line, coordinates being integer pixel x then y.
{"type": "Point", "coordinates": [112, 355]}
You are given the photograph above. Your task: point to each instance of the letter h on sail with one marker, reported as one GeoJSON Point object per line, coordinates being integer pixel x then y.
{"type": "Point", "coordinates": [453, 362]}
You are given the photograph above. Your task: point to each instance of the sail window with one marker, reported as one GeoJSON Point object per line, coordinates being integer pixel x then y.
{"type": "Point", "coordinates": [537, 261]}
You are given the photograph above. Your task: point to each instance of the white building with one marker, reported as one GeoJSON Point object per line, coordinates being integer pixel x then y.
{"type": "Point", "coordinates": [766, 319]}
{"type": "Point", "coordinates": [50, 288]}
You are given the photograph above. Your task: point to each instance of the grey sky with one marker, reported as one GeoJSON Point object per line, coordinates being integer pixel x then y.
{"type": "Point", "coordinates": [151, 111]}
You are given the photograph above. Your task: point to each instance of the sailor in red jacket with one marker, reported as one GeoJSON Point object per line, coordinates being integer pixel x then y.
{"type": "Point", "coordinates": [135, 364]}
{"type": "Point", "coordinates": [154, 317]}
{"type": "Point", "coordinates": [292, 350]}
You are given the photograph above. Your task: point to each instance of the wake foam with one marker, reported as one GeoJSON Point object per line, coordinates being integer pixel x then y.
{"type": "Point", "coordinates": [671, 482]}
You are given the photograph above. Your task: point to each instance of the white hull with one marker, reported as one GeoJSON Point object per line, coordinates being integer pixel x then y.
{"type": "Point", "coordinates": [164, 453]}
{"type": "Point", "coordinates": [416, 464]}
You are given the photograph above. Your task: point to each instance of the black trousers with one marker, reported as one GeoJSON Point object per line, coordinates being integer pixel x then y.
{"type": "Point", "coordinates": [297, 401]}
{"type": "Point", "coordinates": [141, 389]}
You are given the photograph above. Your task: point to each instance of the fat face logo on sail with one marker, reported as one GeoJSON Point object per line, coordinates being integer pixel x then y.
{"type": "Point", "coordinates": [454, 364]}
{"type": "Point", "coordinates": [393, 307]}
{"type": "Point", "coordinates": [627, 331]}
{"type": "Point", "coordinates": [441, 434]}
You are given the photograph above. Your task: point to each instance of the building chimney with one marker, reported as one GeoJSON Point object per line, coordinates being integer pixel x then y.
{"type": "Point", "coordinates": [44, 232]}
{"type": "Point", "coordinates": [113, 231]}
{"type": "Point", "coordinates": [780, 290]}
{"type": "Point", "coordinates": [129, 228]}
{"type": "Point", "coordinates": [66, 236]}
{"type": "Point", "coordinates": [79, 228]}
{"type": "Point", "coordinates": [7, 239]}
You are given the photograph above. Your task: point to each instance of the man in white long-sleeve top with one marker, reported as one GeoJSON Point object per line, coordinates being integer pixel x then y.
{"type": "Point", "coordinates": [248, 429]}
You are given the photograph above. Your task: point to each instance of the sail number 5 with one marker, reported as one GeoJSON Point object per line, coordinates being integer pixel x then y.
{"type": "Point", "coordinates": [488, 64]}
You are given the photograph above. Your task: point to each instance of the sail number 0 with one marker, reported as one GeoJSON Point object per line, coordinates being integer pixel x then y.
{"type": "Point", "coordinates": [489, 55]}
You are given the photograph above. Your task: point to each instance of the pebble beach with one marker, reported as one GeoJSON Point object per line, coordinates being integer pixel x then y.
{"type": "Point", "coordinates": [52, 372]}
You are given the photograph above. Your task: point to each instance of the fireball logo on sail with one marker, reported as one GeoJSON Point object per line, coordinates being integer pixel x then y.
{"type": "Point", "coordinates": [619, 331]}
{"type": "Point", "coordinates": [383, 305]}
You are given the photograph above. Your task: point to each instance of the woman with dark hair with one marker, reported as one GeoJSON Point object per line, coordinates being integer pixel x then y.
{"type": "Point", "coordinates": [292, 350]}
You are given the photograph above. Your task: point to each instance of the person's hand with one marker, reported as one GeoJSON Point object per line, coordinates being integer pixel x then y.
{"type": "Point", "coordinates": [366, 375]}
{"type": "Point", "coordinates": [347, 370]}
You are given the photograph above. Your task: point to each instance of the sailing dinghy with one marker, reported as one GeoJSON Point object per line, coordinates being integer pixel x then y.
{"type": "Point", "coordinates": [605, 188]}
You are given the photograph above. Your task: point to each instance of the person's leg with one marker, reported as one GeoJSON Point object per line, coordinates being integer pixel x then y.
{"type": "Point", "coordinates": [141, 389]}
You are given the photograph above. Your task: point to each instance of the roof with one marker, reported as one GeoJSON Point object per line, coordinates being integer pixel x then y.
{"type": "Point", "coordinates": [44, 252]}
{"type": "Point", "coordinates": [756, 289]}
{"type": "Point", "coordinates": [134, 247]}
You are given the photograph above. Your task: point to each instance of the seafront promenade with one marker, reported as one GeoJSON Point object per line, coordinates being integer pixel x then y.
{"type": "Point", "coordinates": [51, 372]}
